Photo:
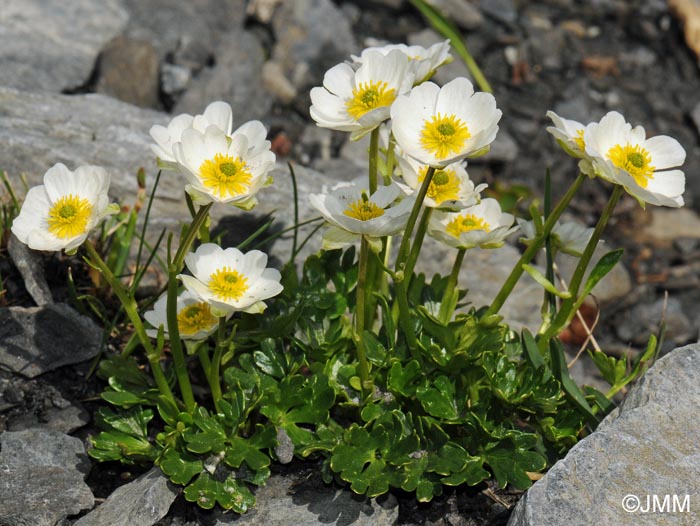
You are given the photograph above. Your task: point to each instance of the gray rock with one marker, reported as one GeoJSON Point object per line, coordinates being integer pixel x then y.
{"type": "Point", "coordinates": [31, 268]}
{"type": "Point", "coordinates": [646, 447]}
{"type": "Point", "coordinates": [235, 78]}
{"type": "Point", "coordinates": [61, 419]}
{"type": "Point", "coordinates": [284, 501]}
{"type": "Point", "coordinates": [504, 149]}
{"type": "Point", "coordinates": [142, 502]}
{"type": "Point", "coordinates": [39, 447]}
{"type": "Point", "coordinates": [174, 79]}
{"type": "Point", "coordinates": [276, 83]}
{"type": "Point", "coordinates": [52, 45]}
{"type": "Point", "coordinates": [501, 10]}
{"type": "Point", "coordinates": [42, 478]}
{"type": "Point", "coordinates": [644, 319]}
{"type": "Point", "coordinates": [312, 36]}
{"type": "Point", "coordinates": [40, 339]}
{"type": "Point", "coordinates": [128, 71]}
{"type": "Point", "coordinates": [462, 12]}
{"type": "Point", "coordinates": [695, 116]}
{"type": "Point", "coordinates": [185, 30]}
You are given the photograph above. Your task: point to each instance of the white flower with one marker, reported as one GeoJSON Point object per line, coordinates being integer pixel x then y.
{"type": "Point", "coordinates": [60, 213]}
{"type": "Point", "coordinates": [217, 114]}
{"type": "Point", "coordinates": [422, 61]}
{"type": "Point", "coordinates": [353, 213]}
{"type": "Point", "coordinates": [569, 135]}
{"type": "Point", "coordinates": [450, 186]}
{"type": "Point", "coordinates": [624, 156]}
{"type": "Point", "coordinates": [359, 101]}
{"type": "Point", "coordinates": [195, 320]}
{"type": "Point", "coordinates": [230, 280]}
{"type": "Point", "coordinates": [483, 225]}
{"type": "Point", "coordinates": [570, 238]}
{"type": "Point", "coordinates": [439, 126]}
{"type": "Point", "coordinates": [224, 169]}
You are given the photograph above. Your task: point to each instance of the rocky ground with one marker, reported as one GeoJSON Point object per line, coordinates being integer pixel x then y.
{"type": "Point", "coordinates": [83, 81]}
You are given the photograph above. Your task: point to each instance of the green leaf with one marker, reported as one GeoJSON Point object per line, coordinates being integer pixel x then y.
{"type": "Point", "coordinates": [510, 466]}
{"type": "Point", "coordinates": [180, 467]}
{"type": "Point", "coordinates": [209, 434]}
{"type": "Point", "coordinates": [402, 380]}
{"type": "Point", "coordinates": [230, 493]}
{"type": "Point", "coordinates": [439, 400]}
{"type": "Point", "coordinates": [532, 352]}
{"type": "Point", "coordinates": [611, 369]}
{"type": "Point", "coordinates": [542, 280]}
{"type": "Point", "coordinates": [561, 372]}
{"type": "Point", "coordinates": [249, 450]}
{"type": "Point", "coordinates": [133, 421]}
{"type": "Point", "coordinates": [269, 359]}
{"type": "Point", "coordinates": [601, 269]}
{"type": "Point", "coordinates": [115, 445]}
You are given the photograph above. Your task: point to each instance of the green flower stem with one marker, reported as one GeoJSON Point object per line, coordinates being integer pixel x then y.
{"type": "Point", "coordinates": [390, 160]}
{"type": "Point", "coordinates": [406, 240]}
{"type": "Point", "coordinates": [451, 289]}
{"type": "Point", "coordinates": [417, 243]}
{"type": "Point", "coordinates": [178, 354]}
{"type": "Point", "coordinates": [532, 249]}
{"type": "Point", "coordinates": [203, 355]}
{"type": "Point", "coordinates": [186, 244]}
{"type": "Point", "coordinates": [215, 367]}
{"type": "Point", "coordinates": [373, 160]}
{"type": "Point", "coordinates": [360, 317]}
{"type": "Point", "coordinates": [570, 306]}
{"type": "Point", "coordinates": [129, 303]}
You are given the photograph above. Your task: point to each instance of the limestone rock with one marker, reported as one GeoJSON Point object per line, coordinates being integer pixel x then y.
{"type": "Point", "coordinates": [284, 501]}
{"type": "Point", "coordinates": [51, 45]}
{"type": "Point", "coordinates": [40, 339]}
{"type": "Point", "coordinates": [128, 71]}
{"type": "Point", "coordinates": [235, 78]}
{"type": "Point", "coordinates": [647, 447]}
{"type": "Point", "coordinates": [42, 478]}
{"type": "Point", "coordinates": [142, 502]}
{"type": "Point", "coordinates": [30, 267]}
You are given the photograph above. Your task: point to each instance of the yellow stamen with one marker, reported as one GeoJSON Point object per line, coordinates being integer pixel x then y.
{"type": "Point", "coordinates": [443, 135]}
{"type": "Point", "coordinates": [225, 175]}
{"type": "Point", "coordinates": [444, 186]}
{"type": "Point", "coordinates": [194, 318]}
{"type": "Point", "coordinates": [228, 284]}
{"type": "Point", "coordinates": [363, 209]}
{"type": "Point", "coordinates": [68, 217]}
{"type": "Point", "coordinates": [634, 160]}
{"type": "Point", "coordinates": [578, 140]}
{"type": "Point", "coordinates": [368, 96]}
{"type": "Point", "coordinates": [466, 223]}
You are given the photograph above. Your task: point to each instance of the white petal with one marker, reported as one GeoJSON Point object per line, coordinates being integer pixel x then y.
{"type": "Point", "coordinates": [666, 152]}
{"type": "Point", "coordinates": [220, 115]}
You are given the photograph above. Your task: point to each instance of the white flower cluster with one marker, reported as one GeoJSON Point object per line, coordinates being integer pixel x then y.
{"type": "Point", "coordinates": [433, 129]}
{"type": "Point", "coordinates": [620, 154]}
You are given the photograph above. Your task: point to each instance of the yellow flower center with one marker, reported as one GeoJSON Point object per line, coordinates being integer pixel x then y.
{"type": "Point", "coordinates": [363, 209]}
{"type": "Point", "coordinates": [228, 284]}
{"type": "Point", "coordinates": [225, 175]}
{"type": "Point", "coordinates": [443, 187]}
{"type": "Point", "coordinates": [368, 96]}
{"type": "Point", "coordinates": [466, 223]}
{"type": "Point", "coordinates": [68, 217]}
{"type": "Point", "coordinates": [578, 140]}
{"type": "Point", "coordinates": [443, 135]}
{"type": "Point", "coordinates": [634, 160]}
{"type": "Point", "coordinates": [194, 318]}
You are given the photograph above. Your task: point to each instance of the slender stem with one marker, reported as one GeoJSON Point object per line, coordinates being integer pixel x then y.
{"type": "Point", "coordinates": [373, 159]}
{"type": "Point", "coordinates": [179, 361]}
{"type": "Point", "coordinates": [451, 289]}
{"type": "Point", "coordinates": [215, 367]}
{"type": "Point", "coordinates": [569, 306]}
{"type": "Point", "coordinates": [390, 160]}
{"type": "Point", "coordinates": [129, 303]}
{"type": "Point", "coordinates": [406, 240]}
{"type": "Point", "coordinates": [192, 232]}
{"type": "Point", "coordinates": [363, 367]}
{"type": "Point", "coordinates": [203, 355]}
{"type": "Point", "coordinates": [532, 249]}
{"type": "Point", "coordinates": [417, 243]}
